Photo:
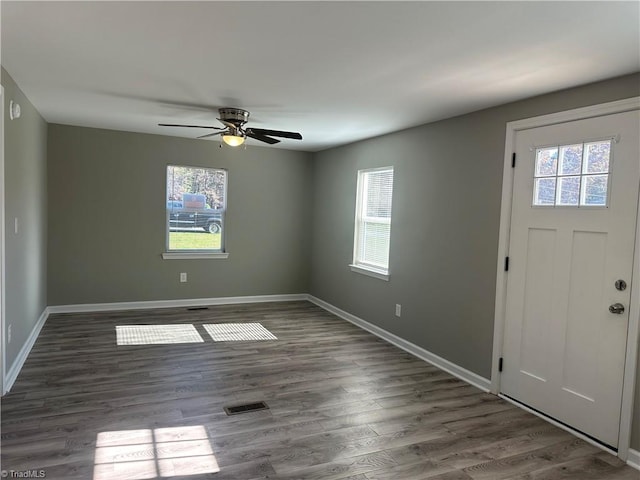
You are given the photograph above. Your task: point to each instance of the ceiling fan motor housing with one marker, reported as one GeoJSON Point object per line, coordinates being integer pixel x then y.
{"type": "Point", "coordinates": [237, 116]}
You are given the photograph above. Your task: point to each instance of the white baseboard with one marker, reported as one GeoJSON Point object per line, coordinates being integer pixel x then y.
{"type": "Point", "coordinates": [13, 372]}
{"type": "Point", "coordinates": [188, 302]}
{"type": "Point", "coordinates": [468, 376]}
{"type": "Point", "coordinates": [633, 459]}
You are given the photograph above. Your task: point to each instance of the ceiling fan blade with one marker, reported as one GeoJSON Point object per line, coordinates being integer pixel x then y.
{"type": "Point", "coordinates": [230, 125]}
{"type": "Point", "coordinates": [275, 133]}
{"type": "Point", "coordinates": [187, 126]}
{"type": "Point", "coordinates": [262, 138]}
{"type": "Point", "coordinates": [212, 134]}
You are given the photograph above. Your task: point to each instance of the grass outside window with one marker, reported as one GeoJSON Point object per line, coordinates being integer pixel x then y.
{"type": "Point", "coordinates": [194, 241]}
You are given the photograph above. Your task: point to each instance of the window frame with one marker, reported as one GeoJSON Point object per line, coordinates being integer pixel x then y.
{"type": "Point", "coordinates": [201, 253]}
{"type": "Point", "coordinates": [358, 265]}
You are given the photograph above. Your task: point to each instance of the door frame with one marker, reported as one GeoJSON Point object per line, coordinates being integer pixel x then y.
{"type": "Point", "coordinates": [3, 346]}
{"type": "Point", "coordinates": [633, 332]}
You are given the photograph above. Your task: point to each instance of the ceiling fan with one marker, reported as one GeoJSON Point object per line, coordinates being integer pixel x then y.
{"type": "Point", "coordinates": [234, 134]}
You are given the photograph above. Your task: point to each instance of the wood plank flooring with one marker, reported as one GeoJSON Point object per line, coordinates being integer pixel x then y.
{"type": "Point", "coordinates": [344, 405]}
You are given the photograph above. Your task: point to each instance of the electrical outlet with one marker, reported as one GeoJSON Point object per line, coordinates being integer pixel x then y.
{"type": "Point", "coordinates": [398, 309]}
{"type": "Point", "coordinates": [9, 334]}
{"type": "Point", "coordinates": [183, 277]}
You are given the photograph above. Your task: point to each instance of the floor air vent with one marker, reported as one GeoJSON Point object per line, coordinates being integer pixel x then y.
{"type": "Point", "coordinates": [198, 308]}
{"type": "Point", "coordinates": [249, 407]}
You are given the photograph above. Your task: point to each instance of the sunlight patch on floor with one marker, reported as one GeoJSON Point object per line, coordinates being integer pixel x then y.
{"type": "Point", "coordinates": [157, 334]}
{"type": "Point", "coordinates": [238, 332]}
{"type": "Point", "coordinates": [158, 453]}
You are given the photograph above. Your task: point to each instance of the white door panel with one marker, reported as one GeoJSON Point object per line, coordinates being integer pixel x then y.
{"type": "Point", "coordinates": [564, 351]}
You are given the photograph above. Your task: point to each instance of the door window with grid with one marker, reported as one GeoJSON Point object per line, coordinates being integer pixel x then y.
{"type": "Point", "coordinates": [572, 175]}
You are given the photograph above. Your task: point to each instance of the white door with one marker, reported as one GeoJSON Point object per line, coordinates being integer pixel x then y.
{"type": "Point", "coordinates": [573, 223]}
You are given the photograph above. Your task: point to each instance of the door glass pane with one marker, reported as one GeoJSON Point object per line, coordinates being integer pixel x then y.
{"type": "Point", "coordinates": [570, 160]}
{"type": "Point", "coordinates": [568, 191]}
{"type": "Point", "coordinates": [546, 162]}
{"type": "Point", "coordinates": [572, 175]}
{"type": "Point", "coordinates": [545, 191]}
{"type": "Point", "coordinates": [598, 157]}
{"type": "Point", "coordinates": [595, 190]}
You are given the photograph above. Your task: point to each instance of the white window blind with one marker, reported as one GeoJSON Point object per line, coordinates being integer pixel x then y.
{"type": "Point", "coordinates": [373, 219]}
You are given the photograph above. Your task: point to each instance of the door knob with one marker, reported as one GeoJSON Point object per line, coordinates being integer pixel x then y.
{"type": "Point", "coordinates": [621, 285]}
{"type": "Point", "coordinates": [616, 308]}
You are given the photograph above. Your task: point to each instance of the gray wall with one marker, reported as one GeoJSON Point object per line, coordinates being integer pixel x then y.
{"type": "Point", "coordinates": [107, 192]}
{"type": "Point", "coordinates": [25, 168]}
{"type": "Point", "coordinates": [444, 234]}
{"type": "Point", "coordinates": [635, 430]}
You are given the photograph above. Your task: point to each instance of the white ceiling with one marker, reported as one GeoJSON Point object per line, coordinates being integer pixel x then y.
{"type": "Point", "coordinates": [335, 71]}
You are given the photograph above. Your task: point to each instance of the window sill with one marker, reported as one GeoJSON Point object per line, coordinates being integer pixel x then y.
{"type": "Point", "coordinates": [193, 255]}
{"type": "Point", "coordinates": [370, 272]}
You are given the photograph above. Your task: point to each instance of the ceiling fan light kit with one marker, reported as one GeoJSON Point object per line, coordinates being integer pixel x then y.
{"type": "Point", "coordinates": [234, 134]}
{"type": "Point", "coordinates": [233, 140]}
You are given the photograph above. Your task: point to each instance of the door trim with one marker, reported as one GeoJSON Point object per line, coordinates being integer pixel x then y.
{"type": "Point", "coordinates": [633, 333]}
{"type": "Point", "coordinates": [3, 298]}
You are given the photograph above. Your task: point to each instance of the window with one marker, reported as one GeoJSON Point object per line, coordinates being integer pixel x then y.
{"type": "Point", "coordinates": [373, 222]}
{"type": "Point", "coordinates": [196, 204]}
{"type": "Point", "coordinates": [572, 175]}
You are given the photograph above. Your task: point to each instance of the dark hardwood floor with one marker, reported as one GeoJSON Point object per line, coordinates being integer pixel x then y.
{"type": "Point", "coordinates": [343, 405]}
